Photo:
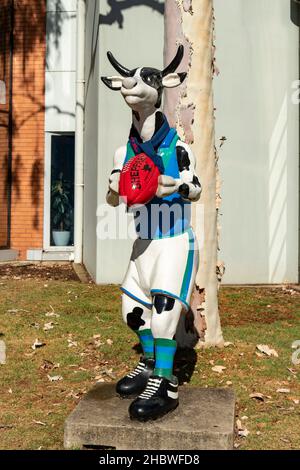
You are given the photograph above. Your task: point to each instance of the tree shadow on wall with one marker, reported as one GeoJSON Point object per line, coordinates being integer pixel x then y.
{"type": "Point", "coordinates": [115, 14]}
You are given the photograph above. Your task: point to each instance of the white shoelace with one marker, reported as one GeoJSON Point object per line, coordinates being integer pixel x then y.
{"type": "Point", "coordinates": [152, 387]}
{"type": "Point", "coordinates": [140, 367]}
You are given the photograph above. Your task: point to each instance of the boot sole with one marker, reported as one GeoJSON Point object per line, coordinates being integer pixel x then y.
{"type": "Point", "coordinates": [161, 415]}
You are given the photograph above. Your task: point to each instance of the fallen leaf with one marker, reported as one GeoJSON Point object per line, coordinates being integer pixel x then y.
{"type": "Point", "coordinates": [283, 390]}
{"type": "Point", "coordinates": [244, 418]}
{"type": "Point", "coordinates": [14, 311]}
{"type": "Point", "coordinates": [10, 391]}
{"type": "Point", "coordinates": [37, 344]}
{"type": "Point", "coordinates": [52, 313]}
{"type": "Point", "coordinates": [227, 344]}
{"type": "Point", "coordinates": [40, 423]}
{"type": "Point", "coordinates": [47, 365]}
{"type": "Point", "coordinates": [99, 379]}
{"type": "Point", "coordinates": [72, 344]}
{"type": "Point", "coordinates": [110, 342]}
{"type": "Point", "coordinates": [228, 382]}
{"type": "Point", "coordinates": [287, 441]}
{"type": "Point", "coordinates": [48, 326]}
{"type": "Point", "coordinates": [265, 349]}
{"type": "Point", "coordinates": [242, 431]}
{"type": "Point", "coordinates": [55, 378]}
{"type": "Point", "coordinates": [218, 369]}
{"type": "Point", "coordinates": [257, 396]}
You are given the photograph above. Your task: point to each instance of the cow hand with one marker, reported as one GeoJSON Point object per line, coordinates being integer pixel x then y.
{"type": "Point", "coordinates": [114, 182]}
{"type": "Point", "coordinates": [166, 186]}
{"type": "Point", "coordinates": [112, 197]}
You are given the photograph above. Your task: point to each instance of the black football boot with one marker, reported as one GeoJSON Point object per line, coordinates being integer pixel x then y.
{"type": "Point", "coordinates": [135, 382]}
{"type": "Point", "coordinates": [159, 398]}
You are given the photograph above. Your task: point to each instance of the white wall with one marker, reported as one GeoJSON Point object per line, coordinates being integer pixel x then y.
{"type": "Point", "coordinates": [257, 54]}
{"type": "Point", "coordinates": [139, 42]}
{"type": "Point", "coordinates": [61, 66]}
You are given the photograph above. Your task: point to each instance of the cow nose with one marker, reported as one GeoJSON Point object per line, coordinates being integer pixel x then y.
{"type": "Point", "coordinates": [129, 83]}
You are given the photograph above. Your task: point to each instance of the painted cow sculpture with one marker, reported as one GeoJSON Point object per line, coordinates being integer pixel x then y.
{"type": "Point", "coordinates": [162, 269]}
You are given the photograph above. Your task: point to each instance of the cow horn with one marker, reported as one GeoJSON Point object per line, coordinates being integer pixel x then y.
{"type": "Point", "coordinates": [175, 62]}
{"type": "Point", "coordinates": [116, 65]}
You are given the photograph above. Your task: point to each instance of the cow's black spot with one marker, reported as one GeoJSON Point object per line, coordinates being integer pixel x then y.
{"type": "Point", "coordinates": [163, 303]}
{"type": "Point", "coordinates": [153, 77]}
{"type": "Point", "coordinates": [134, 319]}
{"type": "Point", "coordinates": [184, 190]}
{"type": "Point", "coordinates": [196, 182]}
{"type": "Point", "coordinates": [183, 159]}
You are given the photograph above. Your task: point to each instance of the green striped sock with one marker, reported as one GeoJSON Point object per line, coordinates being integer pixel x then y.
{"type": "Point", "coordinates": [165, 350]}
{"type": "Point", "coordinates": [147, 342]}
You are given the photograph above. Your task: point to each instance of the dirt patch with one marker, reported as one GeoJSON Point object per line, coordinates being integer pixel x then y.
{"type": "Point", "coordinates": [44, 271]}
{"type": "Point", "coordinates": [249, 305]}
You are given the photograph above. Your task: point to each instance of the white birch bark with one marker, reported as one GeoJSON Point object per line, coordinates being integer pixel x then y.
{"type": "Point", "coordinates": [191, 109]}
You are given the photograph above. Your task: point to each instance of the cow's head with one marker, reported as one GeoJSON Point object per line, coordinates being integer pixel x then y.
{"type": "Point", "coordinates": [142, 88]}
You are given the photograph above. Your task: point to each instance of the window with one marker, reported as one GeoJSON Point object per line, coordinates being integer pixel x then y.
{"type": "Point", "coordinates": [62, 190]}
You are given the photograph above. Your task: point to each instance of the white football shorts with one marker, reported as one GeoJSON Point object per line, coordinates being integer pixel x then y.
{"type": "Point", "coordinates": [163, 266]}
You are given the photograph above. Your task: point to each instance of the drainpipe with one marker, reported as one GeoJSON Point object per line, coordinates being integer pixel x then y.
{"type": "Point", "coordinates": [10, 122]}
{"type": "Point", "coordinates": [295, 17]}
{"type": "Point", "coordinates": [79, 135]}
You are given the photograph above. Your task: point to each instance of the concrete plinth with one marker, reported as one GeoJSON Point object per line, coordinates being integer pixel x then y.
{"type": "Point", "coordinates": [204, 420]}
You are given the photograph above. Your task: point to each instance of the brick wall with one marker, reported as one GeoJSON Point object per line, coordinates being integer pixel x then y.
{"type": "Point", "coordinates": [4, 119]}
{"type": "Point", "coordinates": [28, 115]}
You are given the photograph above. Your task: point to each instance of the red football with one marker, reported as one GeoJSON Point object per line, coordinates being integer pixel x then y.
{"type": "Point", "coordinates": [139, 180]}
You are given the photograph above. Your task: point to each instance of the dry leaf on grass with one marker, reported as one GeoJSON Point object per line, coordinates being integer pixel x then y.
{"type": "Point", "coordinates": [110, 342]}
{"type": "Point", "coordinates": [265, 349]}
{"type": "Point", "coordinates": [37, 344]}
{"type": "Point", "coordinates": [257, 396]}
{"type": "Point", "coordinates": [228, 343]}
{"type": "Point", "coordinates": [14, 311]}
{"type": "Point", "coordinates": [52, 313]}
{"type": "Point", "coordinates": [218, 369]}
{"type": "Point", "coordinates": [72, 344]}
{"type": "Point", "coordinates": [55, 378]}
{"type": "Point", "coordinates": [242, 430]}
{"type": "Point", "coordinates": [283, 390]}
{"type": "Point", "coordinates": [40, 423]}
{"type": "Point", "coordinates": [48, 326]}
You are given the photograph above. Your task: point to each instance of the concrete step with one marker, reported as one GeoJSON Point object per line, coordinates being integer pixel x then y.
{"type": "Point", "coordinates": [8, 255]}
{"type": "Point", "coordinates": [204, 420]}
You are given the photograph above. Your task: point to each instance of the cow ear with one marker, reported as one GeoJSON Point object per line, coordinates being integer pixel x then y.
{"type": "Point", "coordinates": [173, 80]}
{"type": "Point", "coordinates": [114, 83]}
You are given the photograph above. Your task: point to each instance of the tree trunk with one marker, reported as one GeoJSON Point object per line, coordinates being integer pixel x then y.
{"type": "Point", "coordinates": [191, 110]}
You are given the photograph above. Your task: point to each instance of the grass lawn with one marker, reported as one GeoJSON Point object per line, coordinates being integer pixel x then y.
{"type": "Point", "coordinates": [87, 341]}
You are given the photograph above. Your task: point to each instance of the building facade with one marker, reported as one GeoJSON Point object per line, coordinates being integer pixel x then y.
{"type": "Point", "coordinates": [256, 111]}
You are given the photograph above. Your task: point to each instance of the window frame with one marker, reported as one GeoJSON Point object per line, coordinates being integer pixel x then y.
{"type": "Point", "coordinates": [47, 194]}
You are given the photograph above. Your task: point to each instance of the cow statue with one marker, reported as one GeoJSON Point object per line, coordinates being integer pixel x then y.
{"type": "Point", "coordinates": [165, 257]}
